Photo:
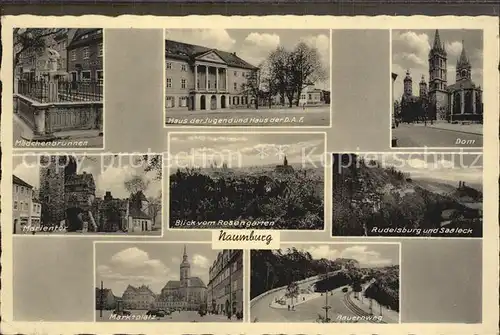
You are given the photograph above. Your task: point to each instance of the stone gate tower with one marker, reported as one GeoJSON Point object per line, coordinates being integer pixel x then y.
{"type": "Point", "coordinates": [52, 176]}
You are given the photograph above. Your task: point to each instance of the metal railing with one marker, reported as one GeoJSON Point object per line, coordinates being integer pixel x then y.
{"type": "Point", "coordinates": [46, 91]}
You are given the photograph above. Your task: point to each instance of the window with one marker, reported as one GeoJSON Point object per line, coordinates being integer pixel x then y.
{"type": "Point", "coordinates": [209, 85]}
{"type": "Point", "coordinates": [99, 74]}
{"type": "Point", "coordinates": [100, 49]}
{"type": "Point", "coordinates": [169, 82]}
{"type": "Point", "coordinates": [86, 75]}
{"type": "Point", "coordinates": [310, 96]}
{"type": "Point", "coordinates": [183, 83]}
{"type": "Point", "coordinates": [86, 53]}
{"type": "Point", "coordinates": [169, 65]}
{"type": "Point", "coordinates": [235, 86]}
{"type": "Point", "coordinates": [15, 204]}
{"type": "Point", "coordinates": [17, 189]}
{"type": "Point", "coordinates": [183, 67]}
{"type": "Point", "coordinates": [25, 206]}
{"type": "Point", "coordinates": [236, 73]}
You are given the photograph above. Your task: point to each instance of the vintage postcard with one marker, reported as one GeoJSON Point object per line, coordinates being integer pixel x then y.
{"type": "Point", "coordinates": [250, 175]}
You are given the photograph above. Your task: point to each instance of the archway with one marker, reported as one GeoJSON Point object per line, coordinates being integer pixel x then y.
{"type": "Point", "coordinates": [223, 101]}
{"type": "Point", "coordinates": [213, 102]}
{"type": "Point", "coordinates": [191, 103]}
{"type": "Point", "coordinates": [203, 102]}
{"type": "Point", "coordinates": [237, 100]}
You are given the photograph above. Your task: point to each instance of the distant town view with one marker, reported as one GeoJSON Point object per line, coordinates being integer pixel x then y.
{"type": "Point", "coordinates": [333, 283]}
{"type": "Point", "coordinates": [403, 195]}
{"type": "Point", "coordinates": [149, 291]}
{"type": "Point", "coordinates": [272, 186]}
{"type": "Point", "coordinates": [69, 194]}
{"type": "Point", "coordinates": [62, 67]}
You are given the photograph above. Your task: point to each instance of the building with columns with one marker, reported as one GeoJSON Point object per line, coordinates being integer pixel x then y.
{"type": "Point", "coordinates": [461, 101]}
{"type": "Point", "coordinates": [200, 78]}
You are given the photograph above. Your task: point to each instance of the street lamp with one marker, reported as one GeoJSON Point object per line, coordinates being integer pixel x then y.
{"type": "Point", "coordinates": [326, 307]}
{"type": "Point", "coordinates": [101, 300]}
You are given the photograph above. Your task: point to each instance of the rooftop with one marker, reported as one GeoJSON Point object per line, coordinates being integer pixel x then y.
{"type": "Point", "coordinates": [189, 52]}
{"type": "Point", "coordinates": [18, 181]}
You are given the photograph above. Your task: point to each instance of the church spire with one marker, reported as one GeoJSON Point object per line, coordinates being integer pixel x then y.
{"type": "Point", "coordinates": [437, 40]}
{"type": "Point", "coordinates": [184, 255]}
{"type": "Point", "coordinates": [438, 46]}
{"type": "Point", "coordinates": [463, 59]}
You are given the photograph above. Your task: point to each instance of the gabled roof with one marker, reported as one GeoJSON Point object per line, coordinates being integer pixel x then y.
{"type": "Point", "coordinates": [189, 52]}
{"type": "Point", "coordinates": [173, 284]}
{"type": "Point", "coordinates": [79, 38]}
{"type": "Point", "coordinates": [464, 83]}
{"type": "Point", "coordinates": [196, 282]}
{"type": "Point", "coordinates": [18, 181]}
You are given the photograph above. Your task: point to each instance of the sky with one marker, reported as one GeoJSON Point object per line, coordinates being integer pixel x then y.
{"type": "Point", "coordinates": [441, 167]}
{"type": "Point", "coordinates": [110, 173]}
{"type": "Point", "coordinates": [151, 264]}
{"type": "Point", "coordinates": [410, 49]}
{"type": "Point", "coordinates": [254, 46]}
{"type": "Point", "coordinates": [368, 255]}
{"type": "Point", "coordinates": [245, 150]}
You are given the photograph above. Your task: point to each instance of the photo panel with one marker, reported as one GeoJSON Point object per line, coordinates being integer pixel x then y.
{"type": "Point", "coordinates": [407, 195]}
{"type": "Point", "coordinates": [437, 80]}
{"type": "Point", "coordinates": [168, 282]}
{"type": "Point", "coordinates": [246, 181]}
{"type": "Point", "coordinates": [58, 88]}
{"type": "Point", "coordinates": [247, 77]}
{"type": "Point", "coordinates": [87, 195]}
{"type": "Point", "coordinates": [326, 283]}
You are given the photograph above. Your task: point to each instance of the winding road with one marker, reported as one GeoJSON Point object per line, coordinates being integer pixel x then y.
{"type": "Point", "coordinates": [305, 312]}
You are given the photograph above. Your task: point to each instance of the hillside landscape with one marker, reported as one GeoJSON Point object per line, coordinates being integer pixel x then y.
{"type": "Point", "coordinates": [368, 196]}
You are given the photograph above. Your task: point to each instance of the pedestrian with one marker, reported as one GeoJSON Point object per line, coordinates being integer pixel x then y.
{"type": "Point", "coordinates": [288, 307]}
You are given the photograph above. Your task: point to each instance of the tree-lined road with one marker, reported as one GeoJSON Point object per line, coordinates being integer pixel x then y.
{"type": "Point", "coordinates": [410, 136]}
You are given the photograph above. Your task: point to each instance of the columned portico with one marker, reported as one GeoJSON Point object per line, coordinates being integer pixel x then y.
{"type": "Point", "coordinates": [209, 101]}
{"type": "Point", "coordinates": [210, 78]}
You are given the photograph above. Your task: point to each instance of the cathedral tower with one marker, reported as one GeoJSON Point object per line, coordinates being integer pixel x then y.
{"type": "Point", "coordinates": [463, 66]}
{"type": "Point", "coordinates": [422, 88]}
{"type": "Point", "coordinates": [437, 75]}
{"type": "Point", "coordinates": [408, 82]}
{"type": "Point", "coordinates": [185, 270]}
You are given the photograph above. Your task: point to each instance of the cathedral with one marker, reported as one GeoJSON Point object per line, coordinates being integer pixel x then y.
{"type": "Point", "coordinates": [458, 102]}
{"type": "Point", "coordinates": [188, 293]}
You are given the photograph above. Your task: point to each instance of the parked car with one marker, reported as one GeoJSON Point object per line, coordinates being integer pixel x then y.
{"type": "Point", "coordinates": [156, 312]}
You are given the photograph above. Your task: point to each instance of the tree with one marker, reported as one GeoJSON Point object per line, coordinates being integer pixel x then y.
{"type": "Point", "coordinates": [32, 39]}
{"type": "Point", "coordinates": [307, 68]}
{"type": "Point", "coordinates": [252, 88]}
{"type": "Point", "coordinates": [154, 207]}
{"type": "Point", "coordinates": [136, 183]}
{"type": "Point", "coordinates": [279, 73]}
{"type": "Point", "coordinates": [292, 291]}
